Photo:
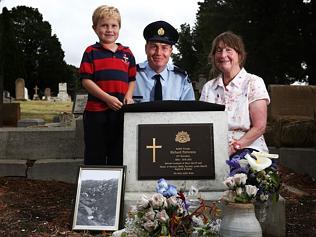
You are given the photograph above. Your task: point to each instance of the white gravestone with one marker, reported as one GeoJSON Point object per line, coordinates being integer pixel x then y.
{"type": "Point", "coordinates": [62, 92]}
{"type": "Point", "coordinates": [210, 189]}
{"type": "Point", "coordinates": [36, 96]}
{"type": "Point", "coordinates": [26, 94]}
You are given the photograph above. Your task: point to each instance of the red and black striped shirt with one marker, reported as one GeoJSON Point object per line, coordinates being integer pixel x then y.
{"type": "Point", "coordinates": [111, 71]}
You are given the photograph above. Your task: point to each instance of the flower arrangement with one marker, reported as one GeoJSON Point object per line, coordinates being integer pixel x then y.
{"type": "Point", "coordinates": [168, 213]}
{"type": "Point", "coordinates": [253, 177]}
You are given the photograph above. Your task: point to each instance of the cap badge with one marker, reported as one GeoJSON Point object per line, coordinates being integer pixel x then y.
{"type": "Point", "coordinates": [161, 31]}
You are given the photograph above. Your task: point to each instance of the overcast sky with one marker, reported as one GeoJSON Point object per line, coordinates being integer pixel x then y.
{"type": "Point", "coordinates": [71, 20]}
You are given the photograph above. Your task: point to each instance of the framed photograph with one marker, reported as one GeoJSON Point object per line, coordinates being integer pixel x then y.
{"type": "Point", "coordinates": [100, 198]}
{"type": "Point", "coordinates": [79, 103]}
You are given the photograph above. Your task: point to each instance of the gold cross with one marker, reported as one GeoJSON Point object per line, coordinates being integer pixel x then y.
{"type": "Point", "coordinates": [154, 147]}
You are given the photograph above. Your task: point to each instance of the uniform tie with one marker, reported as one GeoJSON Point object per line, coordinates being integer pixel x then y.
{"type": "Point", "coordinates": [158, 90]}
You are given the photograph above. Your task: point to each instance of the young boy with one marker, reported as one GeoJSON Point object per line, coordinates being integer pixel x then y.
{"type": "Point", "coordinates": [107, 72]}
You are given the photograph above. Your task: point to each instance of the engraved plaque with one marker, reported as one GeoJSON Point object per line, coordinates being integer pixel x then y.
{"type": "Point", "coordinates": [175, 151]}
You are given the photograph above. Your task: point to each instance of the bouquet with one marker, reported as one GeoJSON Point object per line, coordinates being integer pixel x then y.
{"type": "Point", "coordinates": [168, 213]}
{"type": "Point", "coordinates": [253, 177]}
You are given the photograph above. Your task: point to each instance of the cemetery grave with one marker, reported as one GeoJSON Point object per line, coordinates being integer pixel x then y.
{"type": "Point", "coordinates": [45, 208]}
{"type": "Point", "coordinates": [44, 109]}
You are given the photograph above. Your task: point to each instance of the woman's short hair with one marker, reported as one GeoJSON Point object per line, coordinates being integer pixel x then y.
{"type": "Point", "coordinates": [232, 40]}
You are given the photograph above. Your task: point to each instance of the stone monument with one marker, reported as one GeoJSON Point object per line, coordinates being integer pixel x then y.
{"type": "Point", "coordinates": [36, 96]}
{"type": "Point", "coordinates": [6, 97]}
{"type": "Point", "coordinates": [183, 157]}
{"type": "Point", "coordinates": [62, 92]}
{"type": "Point", "coordinates": [47, 94]}
{"type": "Point", "coordinates": [19, 89]}
{"type": "Point", "coordinates": [26, 93]}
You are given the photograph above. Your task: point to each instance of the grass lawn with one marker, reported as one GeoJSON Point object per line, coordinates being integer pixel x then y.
{"type": "Point", "coordinates": [45, 110]}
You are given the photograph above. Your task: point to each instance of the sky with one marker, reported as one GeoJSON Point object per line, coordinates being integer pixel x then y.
{"type": "Point", "coordinates": [71, 21]}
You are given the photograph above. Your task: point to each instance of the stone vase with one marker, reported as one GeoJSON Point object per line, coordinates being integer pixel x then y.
{"type": "Point", "coordinates": [239, 220]}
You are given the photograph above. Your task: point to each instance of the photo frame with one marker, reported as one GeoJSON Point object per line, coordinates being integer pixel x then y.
{"type": "Point", "coordinates": [99, 198]}
{"type": "Point", "coordinates": [79, 103]}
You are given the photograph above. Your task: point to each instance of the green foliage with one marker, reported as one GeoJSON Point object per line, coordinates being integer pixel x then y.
{"type": "Point", "coordinates": [188, 53]}
{"type": "Point", "coordinates": [277, 35]}
{"type": "Point", "coordinates": [12, 60]}
{"type": "Point", "coordinates": [32, 52]}
{"type": "Point", "coordinates": [73, 83]}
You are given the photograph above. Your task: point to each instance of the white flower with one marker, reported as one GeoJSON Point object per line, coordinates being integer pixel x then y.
{"type": "Point", "coordinates": [150, 225]}
{"type": "Point", "coordinates": [172, 201]}
{"type": "Point", "coordinates": [158, 201]}
{"type": "Point", "coordinates": [142, 203]}
{"type": "Point", "coordinates": [193, 191]}
{"type": "Point", "coordinates": [243, 163]}
{"type": "Point", "coordinates": [240, 179]}
{"type": "Point", "coordinates": [264, 197]}
{"type": "Point", "coordinates": [238, 191]}
{"type": "Point", "coordinates": [229, 182]}
{"type": "Point", "coordinates": [251, 190]}
{"type": "Point", "coordinates": [260, 164]}
{"type": "Point", "coordinates": [264, 154]}
{"type": "Point", "coordinates": [150, 214]}
{"type": "Point", "coordinates": [229, 196]}
{"type": "Point", "coordinates": [198, 220]}
{"type": "Point", "coordinates": [132, 211]}
{"type": "Point", "coordinates": [180, 210]}
{"type": "Point", "coordinates": [162, 216]}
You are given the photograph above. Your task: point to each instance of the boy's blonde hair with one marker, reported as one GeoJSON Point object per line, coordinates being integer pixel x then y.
{"type": "Point", "coordinates": [106, 11]}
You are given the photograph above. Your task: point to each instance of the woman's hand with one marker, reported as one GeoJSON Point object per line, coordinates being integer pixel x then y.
{"type": "Point", "coordinates": [233, 147]}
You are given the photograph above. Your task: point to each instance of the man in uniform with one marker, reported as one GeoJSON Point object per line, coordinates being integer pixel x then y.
{"type": "Point", "coordinates": [156, 79]}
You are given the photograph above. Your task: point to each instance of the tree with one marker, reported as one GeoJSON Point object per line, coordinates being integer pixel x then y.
{"type": "Point", "coordinates": [12, 62]}
{"type": "Point", "coordinates": [186, 46]}
{"type": "Point", "coordinates": [74, 83]}
{"type": "Point", "coordinates": [277, 36]}
{"type": "Point", "coordinates": [38, 51]}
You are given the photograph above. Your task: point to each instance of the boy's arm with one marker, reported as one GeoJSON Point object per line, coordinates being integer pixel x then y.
{"type": "Point", "coordinates": [128, 98]}
{"type": "Point", "coordinates": [96, 91]}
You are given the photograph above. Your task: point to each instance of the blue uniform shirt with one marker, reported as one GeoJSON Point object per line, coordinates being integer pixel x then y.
{"type": "Point", "coordinates": [175, 84]}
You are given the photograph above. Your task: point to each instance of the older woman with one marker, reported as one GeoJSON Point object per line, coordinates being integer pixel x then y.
{"type": "Point", "coordinates": [244, 95]}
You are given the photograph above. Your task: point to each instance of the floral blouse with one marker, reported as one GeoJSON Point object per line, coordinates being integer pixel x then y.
{"type": "Point", "coordinates": [244, 89]}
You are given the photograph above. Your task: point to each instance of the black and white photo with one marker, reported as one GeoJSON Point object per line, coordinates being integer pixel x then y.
{"type": "Point", "coordinates": [99, 198]}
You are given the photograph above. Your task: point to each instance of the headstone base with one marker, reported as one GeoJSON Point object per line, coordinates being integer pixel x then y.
{"type": "Point", "coordinates": [11, 114]}
{"type": "Point", "coordinates": [30, 122]}
{"type": "Point", "coordinates": [36, 97]}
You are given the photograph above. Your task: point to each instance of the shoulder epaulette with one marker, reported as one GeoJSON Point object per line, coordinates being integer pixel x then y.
{"type": "Point", "coordinates": [138, 68]}
{"type": "Point", "coordinates": [183, 72]}
{"type": "Point", "coordinates": [179, 70]}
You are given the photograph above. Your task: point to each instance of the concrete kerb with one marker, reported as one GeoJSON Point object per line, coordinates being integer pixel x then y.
{"type": "Point", "coordinates": [65, 170]}
{"type": "Point", "coordinates": [13, 168]}
{"type": "Point", "coordinates": [301, 160]}
{"type": "Point", "coordinates": [53, 153]}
